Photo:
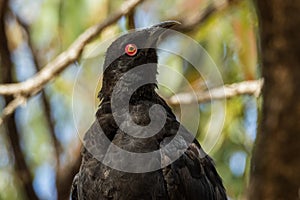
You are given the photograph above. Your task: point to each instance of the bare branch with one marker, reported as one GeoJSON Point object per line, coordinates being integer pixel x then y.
{"type": "Point", "coordinates": [11, 107]}
{"type": "Point", "coordinates": [190, 24]}
{"type": "Point", "coordinates": [224, 92]}
{"type": "Point", "coordinates": [66, 174]}
{"type": "Point", "coordinates": [130, 20]}
{"type": "Point", "coordinates": [21, 168]}
{"type": "Point", "coordinates": [34, 84]}
{"type": "Point", "coordinates": [46, 104]}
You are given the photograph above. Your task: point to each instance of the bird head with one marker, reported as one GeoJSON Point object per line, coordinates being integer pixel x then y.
{"type": "Point", "coordinates": [131, 50]}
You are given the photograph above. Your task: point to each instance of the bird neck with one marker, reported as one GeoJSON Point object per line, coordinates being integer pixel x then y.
{"type": "Point", "coordinates": [139, 85]}
{"type": "Point", "coordinates": [145, 92]}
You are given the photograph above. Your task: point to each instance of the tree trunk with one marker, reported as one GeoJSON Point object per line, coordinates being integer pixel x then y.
{"type": "Point", "coordinates": [275, 170]}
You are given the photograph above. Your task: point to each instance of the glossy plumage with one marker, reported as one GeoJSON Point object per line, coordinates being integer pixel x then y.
{"type": "Point", "coordinates": [191, 176]}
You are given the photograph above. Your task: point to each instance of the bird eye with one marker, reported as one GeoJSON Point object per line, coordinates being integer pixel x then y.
{"type": "Point", "coordinates": [131, 49]}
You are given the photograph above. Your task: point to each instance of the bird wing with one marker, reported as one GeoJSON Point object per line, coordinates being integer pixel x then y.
{"type": "Point", "coordinates": [88, 178]}
{"type": "Point", "coordinates": [82, 185]}
{"type": "Point", "coordinates": [193, 174]}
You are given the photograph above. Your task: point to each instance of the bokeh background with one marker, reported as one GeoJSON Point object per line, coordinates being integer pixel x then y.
{"type": "Point", "coordinates": [39, 30]}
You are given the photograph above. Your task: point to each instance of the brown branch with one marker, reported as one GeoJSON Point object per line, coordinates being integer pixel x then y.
{"type": "Point", "coordinates": [224, 92]}
{"type": "Point", "coordinates": [130, 20]}
{"type": "Point", "coordinates": [36, 83]}
{"type": "Point", "coordinates": [46, 104]}
{"type": "Point", "coordinates": [66, 174]}
{"type": "Point", "coordinates": [11, 107]}
{"type": "Point", "coordinates": [190, 24]}
{"type": "Point", "coordinates": [21, 167]}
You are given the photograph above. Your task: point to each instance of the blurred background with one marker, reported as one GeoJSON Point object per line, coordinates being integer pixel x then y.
{"type": "Point", "coordinates": [45, 140]}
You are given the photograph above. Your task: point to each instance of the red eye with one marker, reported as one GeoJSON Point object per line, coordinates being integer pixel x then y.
{"type": "Point", "coordinates": [131, 49]}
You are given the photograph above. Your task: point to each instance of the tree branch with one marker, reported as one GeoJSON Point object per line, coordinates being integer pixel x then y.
{"type": "Point", "coordinates": [130, 20]}
{"type": "Point", "coordinates": [46, 104]}
{"type": "Point", "coordinates": [21, 168]}
{"type": "Point", "coordinates": [189, 24]}
{"type": "Point", "coordinates": [50, 123]}
{"type": "Point", "coordinates": [34, 84]}
{"type": "Point", "coordinates": [66, 174]}
{"type": "Point", "coordinates": [11, 107]}
{"type": "Point", "coordinates": [223, 92]}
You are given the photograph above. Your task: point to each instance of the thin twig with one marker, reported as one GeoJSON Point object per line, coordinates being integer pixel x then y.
{"type": "Point", "coordinates": [224, 92]}
{"type": "Point", "coordinates": [11, 107]}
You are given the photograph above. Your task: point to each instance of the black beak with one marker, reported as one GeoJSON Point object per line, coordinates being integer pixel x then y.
{"type": "Point", "coordinates": [157, 31]}
{"type": "Point", "coordinates": [167, 24]}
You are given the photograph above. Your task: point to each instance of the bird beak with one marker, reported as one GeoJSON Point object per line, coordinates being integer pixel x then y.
{"type": "Point", "coordinates": [166, 24]}
{"type": "Point", "coordinates": [158, 30]}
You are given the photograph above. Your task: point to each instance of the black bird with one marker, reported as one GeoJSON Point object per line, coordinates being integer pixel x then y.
{"type": "Point", "coordinates": [186, 172]}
